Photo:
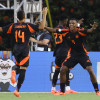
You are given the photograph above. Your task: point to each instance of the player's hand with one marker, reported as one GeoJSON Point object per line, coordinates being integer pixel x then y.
{"type": "Point", "coordinates": [81, 21]}
{"type": "Point", "coordinates": [94, 25]}
{"type": "Point", "coordinates": [45, 10]}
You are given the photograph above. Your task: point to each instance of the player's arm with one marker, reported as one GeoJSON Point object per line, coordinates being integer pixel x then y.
{"type": "Point", "coordinates": [50, 29]}
{"type": "Point", "coordinates": [80, 22]}
{"type": "Point", "coordinates": [42, 24]}
{"type": "Point", "coordinates": [56, 30]}
{"type": "Point", "coordinates": [94, 26]}
{"type": "Point", "coordinates": [42, 42]}
{"type": "Point", "coordinates": [1, 30]}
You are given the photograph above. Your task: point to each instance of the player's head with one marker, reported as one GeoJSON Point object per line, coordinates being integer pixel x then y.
{"type": "Point", "coordinates": [73, 24]}
{"type": "Point", "coordinates": [21, 15]}
{"type": "Point", "coordinates": [63, 19]}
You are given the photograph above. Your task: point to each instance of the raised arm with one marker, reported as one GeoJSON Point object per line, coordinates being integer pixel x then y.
{"type": "Point", "coordinates": [42, 24]}
{"type": "Point", "coordinates": [80, 22]}
{"type": "Point", "coordinates": [94, 26]}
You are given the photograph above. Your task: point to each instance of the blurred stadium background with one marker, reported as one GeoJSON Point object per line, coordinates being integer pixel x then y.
{"type": "Point", "coordinates": [87, 9]}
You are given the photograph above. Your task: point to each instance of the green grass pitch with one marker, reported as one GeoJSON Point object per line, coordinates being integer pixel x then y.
{"type": "Point", "coordinates": [49, 96]}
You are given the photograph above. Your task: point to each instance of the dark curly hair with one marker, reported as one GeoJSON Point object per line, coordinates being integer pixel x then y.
{"type": "Point", "coordinates": [20, 15]}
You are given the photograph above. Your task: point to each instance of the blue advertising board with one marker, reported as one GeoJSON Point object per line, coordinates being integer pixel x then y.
{"type": "Point", "coordinates": [38, 74]}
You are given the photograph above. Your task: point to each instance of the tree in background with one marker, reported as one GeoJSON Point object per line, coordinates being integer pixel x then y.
{"type": "Point", "coordinates": [87, 9]}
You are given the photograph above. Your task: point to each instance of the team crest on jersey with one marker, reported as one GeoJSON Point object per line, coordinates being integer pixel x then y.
{"type": "Point", "coordinates": [6, 65]}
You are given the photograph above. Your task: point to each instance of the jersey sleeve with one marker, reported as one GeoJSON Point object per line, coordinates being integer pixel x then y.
{"type": "Point", "coordinates": [61, 31]}
{"type": "Point", "coordinates": [33, 28]}
{"type": "Point", "coordinates": [83, 32]}
{"type": "Point", "coordinates": [7, 29]}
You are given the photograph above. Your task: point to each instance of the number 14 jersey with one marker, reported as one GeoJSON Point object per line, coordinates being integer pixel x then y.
{"type": "Point", "coordinates": [20, 34]}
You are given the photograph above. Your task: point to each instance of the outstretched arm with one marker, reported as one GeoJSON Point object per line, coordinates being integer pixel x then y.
{"type": "Point", "coordinates": [94, 26]}
{"type": "Point", "coordinates": [1, 30]}
{"type": "Point", "coordinates": [57, 30]}
{"type": "Point", "coordinates": [51, 29]}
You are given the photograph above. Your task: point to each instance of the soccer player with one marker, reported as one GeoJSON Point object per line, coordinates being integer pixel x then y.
{"type": "Point", "coordinates": [59, 54]}
{"type": "Point", "coordinates": [77, 53]}
{"type": "Point", "coordinates": [20, 33]}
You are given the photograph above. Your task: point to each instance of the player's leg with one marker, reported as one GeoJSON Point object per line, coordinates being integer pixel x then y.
{"type": "Point", "coordinates": [70, 62]}
{"type": "Point", "coordinates": [63, 71]}
{"type": "Point", "coordinates": [24, 63]}
{"type": "Point", "coordinates": [21, 77]}
{"type": "Point", "coordinates": [54, 81]}
{"type": "Point", "coordinates": [86, 63]}
{"type": "Point", "coordinates": [13, 76]}
{"type": "Point", "coordinates": [68, 89]}
{"type": "Point", "coordinates": [67, 81]}
{"type": "Point", "coordinates": [58, 62]}
{"type": "Point", "coordinates": [93, 79]}
{"type": "Point", "coordinates": [20, 80]}
{"type": "Point", "coordinates": [15, 70]}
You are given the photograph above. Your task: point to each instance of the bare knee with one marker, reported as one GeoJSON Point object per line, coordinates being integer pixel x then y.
{"type": "Point", "coordinates": [63, 70]}
{"type": "Point", "coordinates": [89, 69]}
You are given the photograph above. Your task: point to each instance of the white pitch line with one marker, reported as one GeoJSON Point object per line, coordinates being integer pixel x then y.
{"type": "Point", "coordinates": [41, 92]}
